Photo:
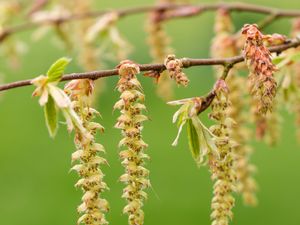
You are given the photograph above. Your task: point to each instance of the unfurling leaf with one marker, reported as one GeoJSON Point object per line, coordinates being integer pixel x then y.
{"type": "Point", "coordinates": [181, 117]}
{"type": "Point", "coordinates": [56, 70]}
{"type": "Point", "coordinates": [51, 116]}
{"type": "Point", "coordinates": [206, 141]}
{"type": "Point", "coordinates": [193, 139]}
{"type": "Point", "coordinates": [181, 124]}
{"type": "Point", "coordinates": [53, 98]}
{"type": "Point", "coordinates": [59, 96]}
{"type": "Point", "coordinates": [201, 140]}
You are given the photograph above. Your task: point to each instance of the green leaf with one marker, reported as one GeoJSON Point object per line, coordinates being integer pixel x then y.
{"type": "Point", "coordinates": [181, 117]}
{"type": "Point", "coordinates": [56, 70]}
{"type": "Point", "coordinates": [193, 139]}
{"type": "Point", "coordinates": [175, 142]}
{"type": "Point", "coordinates": [51, 116]}
{"type": "Point", "coordinates": [59, 96]}
{"type": "Point", "coordinates": [206, 140]}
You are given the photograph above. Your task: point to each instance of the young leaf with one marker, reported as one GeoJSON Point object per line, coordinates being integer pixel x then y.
{"type": "Point", "coordinates": [51, 116]}
{"type": "Point", "coordinates": [56, 70]}
{"type": "Point", "coordinates": [193, 139]}
{"type": "Point", "coordinates": [59, 96]}
{"type": "Point", "coordinates": [181, 117]}
{"type": "Point", "coordinates": [175, 142]}
{"type": "Point", "coordinates": [206, 140]}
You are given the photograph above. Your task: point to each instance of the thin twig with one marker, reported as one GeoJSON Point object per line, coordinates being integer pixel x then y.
{"type": "Point", "coordinates": [197, 9]}
{"type": "Point", "coordinates": [187, 62]}
{"type": "Point", "coordinates": [208, 98]}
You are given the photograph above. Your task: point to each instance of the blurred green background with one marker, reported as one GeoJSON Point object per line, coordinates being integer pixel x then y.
{"type": "Point", "coordinates": [37, 189]}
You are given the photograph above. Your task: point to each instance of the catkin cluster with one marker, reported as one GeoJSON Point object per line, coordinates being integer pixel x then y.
{"type": "Point", "coordinates": [224, 45]}
{"type": "Point", "coordinates": [174, 67]}
{"type": "Point", "coordinates": [93, 207]}
{"type": "Point", "coordinates": [133, 156]}
{"type": "Point", "coordinates": [258, 59]}
{"type": "Point", "coordinates": [246, 185]}
{"type": "Point", "coordinates": [221, 164]}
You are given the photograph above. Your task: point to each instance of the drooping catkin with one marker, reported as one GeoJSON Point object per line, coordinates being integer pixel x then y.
{"type": "Point", "coordinates": [93, 207]}
{"type": "Point", "coordinates": [159, 43]}
{"type": "Point", "coordinates": [269, 127]}
{"type": "Point", "coordinates": [224, 45]}
{"type": "Point", "coordinates": [222, 165]}
{"type": "Point", "coordinates": [133, 156]}
{"type": "Point", "coordinates": [273, 120]}
{"type": "Point", "coordinates": [246, 185]}
{"type": "Point", "coordinates": [258, 59]}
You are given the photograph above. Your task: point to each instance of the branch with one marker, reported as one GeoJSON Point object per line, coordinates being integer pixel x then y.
{"type": "Point", "coordinates": [208, 98]}
{"type": "Point", "coordinates": [194, 10]}
{"type": "Point", "coordinates": [187, 62]}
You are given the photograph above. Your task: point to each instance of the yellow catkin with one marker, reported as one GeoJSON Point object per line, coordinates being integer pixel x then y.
{"type": "Point", "coordinates": [222, 164]}
{"type": "Point", "coordinates": [224, 45]}
{"type": "Point", "coordinates": [93, 207]}
{"type": "Point", "coordinates": [130, 122]}
{"type": "Point", "coordinates": [273, 121]}
{"type": "Point", "coordinates": [246, 185]}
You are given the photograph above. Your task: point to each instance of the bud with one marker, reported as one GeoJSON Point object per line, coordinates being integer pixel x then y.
{"type": "Point", "coordinates": [174, 67]}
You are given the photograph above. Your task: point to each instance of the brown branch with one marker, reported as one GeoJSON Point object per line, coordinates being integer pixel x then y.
{"type": "Point", "coordinates": [187, 62]}
{"type": "Point", "coordinates": [208, 98]}
{"type": "Point", "coordinates": [194, 10]}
